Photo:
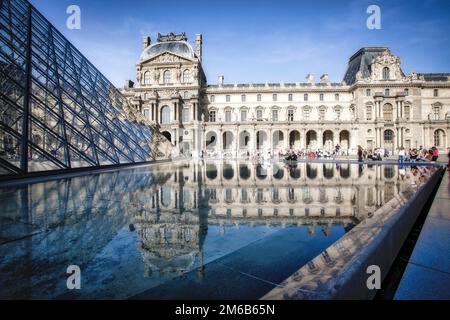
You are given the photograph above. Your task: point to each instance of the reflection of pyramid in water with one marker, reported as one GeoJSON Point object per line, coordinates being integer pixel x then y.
{"type": "Point", "coordinates": [57, 111]}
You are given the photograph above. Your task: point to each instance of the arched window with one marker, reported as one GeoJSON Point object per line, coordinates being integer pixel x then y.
{"type": "Point", "coordinates": [385, 73]}
{"type": "Point", "coordinates": [388, 112]}
{"type": "Point", "coordinates": [388, 136]}
{"type": "Point", "coordinates": [186, 76]}
{"type": "Point", "coordinates": [147, 77]}
{"type": "Point", "coordinates": [439, 138]}
{"type": "Point", "coordinates": [165, 115]}
{"type": "Point", "coordinates": [166, 77]}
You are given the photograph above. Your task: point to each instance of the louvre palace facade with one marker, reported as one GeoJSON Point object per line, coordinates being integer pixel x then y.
{"type": "Point", "coordinates": [376, 105]}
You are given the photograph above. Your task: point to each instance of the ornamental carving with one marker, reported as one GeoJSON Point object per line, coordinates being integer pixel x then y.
{"type": "Point", "coordinates": [386, 59]}
{"type": "Point", "coordinates": [167, 58]}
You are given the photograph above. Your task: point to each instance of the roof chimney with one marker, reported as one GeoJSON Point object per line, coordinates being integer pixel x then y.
{"type": "Point", "coordinates": [198, 46]}
{"type": "Point", "coordinates": [146, 42]}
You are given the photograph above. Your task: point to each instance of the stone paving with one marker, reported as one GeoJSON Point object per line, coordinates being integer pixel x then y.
{"type": "Point", "coordinates": [427, 275]}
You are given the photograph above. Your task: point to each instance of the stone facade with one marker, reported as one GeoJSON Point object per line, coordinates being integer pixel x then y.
{"type": "Point", "coordinates": [375, 106]}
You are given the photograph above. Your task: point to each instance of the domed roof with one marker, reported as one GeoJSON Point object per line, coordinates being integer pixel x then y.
{"type": "Point", "coordinates": [181, 48]}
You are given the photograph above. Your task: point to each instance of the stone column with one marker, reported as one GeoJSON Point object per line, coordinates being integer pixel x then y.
{"type": "Point", "coordinates": [286, 142]}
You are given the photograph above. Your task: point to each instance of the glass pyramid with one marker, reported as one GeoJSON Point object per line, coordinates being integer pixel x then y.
{"type": "Point", "coordinates": [57, 111]}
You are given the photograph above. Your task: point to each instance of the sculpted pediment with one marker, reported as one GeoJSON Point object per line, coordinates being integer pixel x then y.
{"type": "Point", "coordinates": [167, 57]}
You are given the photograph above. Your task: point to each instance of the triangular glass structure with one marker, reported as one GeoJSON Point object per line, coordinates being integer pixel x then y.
{"type": "Point", "coordinates": [57, 111]}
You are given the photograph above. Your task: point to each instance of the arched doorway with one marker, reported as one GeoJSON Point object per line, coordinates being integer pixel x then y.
{"type": "Point", "coordinates": [311, 140]}
{"type": "Point", "coordinates": [389, 140]}
{"type": "Point", "coordinates": [228, 139]}
{"type": "Point", "coordinates": [261, 139]}
{"type": "Point", "coordinates": [277, 140]}
{"type": "Point", "coordinates": [211, 140]}
{"type": "Point", "coordinates": [439, 139]}
{"type": "Point", "coordinates": [244, 139]}
{"type": "Point", "coordinates": [165, 115]}
{"type": "Point", "coordinates": [328, 140]}
{"type": "Point", "coordinates": [167, 135]}
{"type": "Point", "coordinates": [344, 140]}
{"type": "Point", "coordinates": [294, 139]}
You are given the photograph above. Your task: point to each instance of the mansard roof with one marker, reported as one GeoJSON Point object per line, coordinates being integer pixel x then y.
{"type": "Point", "coordinates": [361, 61]}
{"type": "Point", "coordinates": [435, 76]}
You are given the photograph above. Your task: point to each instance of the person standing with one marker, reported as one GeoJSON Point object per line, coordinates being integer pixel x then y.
{"type": "Point", "coordinates": [435, 154]}
{"type": "Point", "coordinates": [448, 156]}
{"type": "Point", "coordinates": [401, 155]}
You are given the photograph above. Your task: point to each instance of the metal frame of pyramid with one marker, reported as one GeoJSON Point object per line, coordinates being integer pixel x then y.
{"type": "Point", "coordinates": [57, 111]}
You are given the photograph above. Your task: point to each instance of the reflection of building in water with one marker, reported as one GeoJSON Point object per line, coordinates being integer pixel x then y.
{"type": "Point", "coordinates": [173, 224]}
{"type": "Point", "coordinates": [170, 227]}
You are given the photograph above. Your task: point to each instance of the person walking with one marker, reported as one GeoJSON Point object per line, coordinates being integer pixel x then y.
{"type": "Point", "coordinates": [360, 154]}
{"type": "Point", "coordinates": [401, 155]}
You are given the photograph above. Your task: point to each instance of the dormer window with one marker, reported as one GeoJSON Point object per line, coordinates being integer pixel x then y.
{"type": "Point", "coordinates": [385, 73]}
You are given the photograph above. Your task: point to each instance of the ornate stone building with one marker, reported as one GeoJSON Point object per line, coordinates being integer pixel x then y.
{"type": "Point", "coordinates": [375, 106]}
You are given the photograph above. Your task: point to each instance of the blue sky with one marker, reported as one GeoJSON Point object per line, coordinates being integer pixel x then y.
{"type": "Point", "coordinates": [259, 41]}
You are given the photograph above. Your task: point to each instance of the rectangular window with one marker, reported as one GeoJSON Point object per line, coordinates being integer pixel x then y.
{"type": "Point", "coordinates": [306, 114]}
{"type": "Point", "coordinates": [227, 98]}
{"type": "Point", "coordinates": [274, 97]}
{"type": "Point", "coordinates": [274, 115]}
{"type": "Point", "coordinates": [369, 113]}
{"type": "Point", "coordinates": [259, 114]}
{"type": "Point", "coordinates": [321, 97]}
{"type": "Point", "coordinates": [368, 93]}
{"type": "Point", "coordinates": [387, 92]}
{"type": "Point", "coordinates": [212, 116]}
{"type": "Point", "coordinates": [290, 97]}
{"type": "Point", "coordinates": [243, 115]}
{"type": "Point", "coordinates": [185, 114]}
{"type": "Point", "coordinates": [436, 112]}
{"type": "Point", "coordinates": [336, 97]}
{"type": "Point", "coordinates": [243, 98]}
{"type": "Point", "coordinates": [305, 97]}
{"type": "Point", "coordinates": [290, 115]}
{"type": "Point", "coordinates": [407, 112]}
{"type": "Point", "coordinates": [435, 92]}
{"type": "Point", "coordinates": [212, 98]}
{"type": "Point", "coordinates": [147, 114]}
{"type": "Point", "coordinates": [406, 92]}
{"type": "Point", "coordinates": [228, 116]}
{"type": "Point", "coordinates": [258, 97]}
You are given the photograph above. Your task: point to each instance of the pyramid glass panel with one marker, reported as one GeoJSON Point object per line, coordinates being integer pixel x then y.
{"type": "Point", "coordinates": [57, 111]}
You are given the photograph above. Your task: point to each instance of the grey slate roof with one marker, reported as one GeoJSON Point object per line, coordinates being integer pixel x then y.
{"type": "Point", "coordinates": [435, 76]}
{"type": "Point", "coordinates": [181, 48]}
{"type": "Point", "coordinates": [360, 61]}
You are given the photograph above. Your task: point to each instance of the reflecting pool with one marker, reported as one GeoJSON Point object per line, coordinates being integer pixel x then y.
{"type": "Point", "coordinates": [185, 230]}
